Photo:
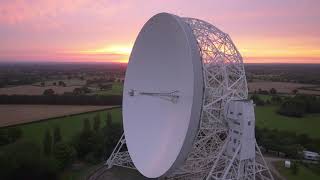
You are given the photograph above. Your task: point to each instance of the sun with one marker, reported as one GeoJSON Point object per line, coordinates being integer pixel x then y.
{"type": "Point", "coordinates": [112, 49]}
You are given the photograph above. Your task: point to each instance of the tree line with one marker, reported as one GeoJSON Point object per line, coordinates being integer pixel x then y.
{"type": "Point", "coordinates": [288, 143]}
{"type": "Point", "coordinates": [299, 105]}
{"type": "Point", "coordinates": [23, 159]}
{"type": "Point", "coordinates": [62, 99]}
{"type": "Point", "coordinates": [296, 106]}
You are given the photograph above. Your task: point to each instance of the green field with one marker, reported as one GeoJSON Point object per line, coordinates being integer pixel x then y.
{"type": "Point", "coordinates": [303, 172]}
{"type": "Point", "coordinates": [266, 116]}
{"type": "Point", "coordinates": [69, 125]}
{"type": "Point", "coordinates": [116, 90]}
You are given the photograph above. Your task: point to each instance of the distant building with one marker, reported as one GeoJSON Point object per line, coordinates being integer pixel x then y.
{"type": "Point", "coordinates": [309, 155]}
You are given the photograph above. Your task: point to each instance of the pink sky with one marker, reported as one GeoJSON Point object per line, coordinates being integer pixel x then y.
{"type": "Point", "coordinates": [104, 30]}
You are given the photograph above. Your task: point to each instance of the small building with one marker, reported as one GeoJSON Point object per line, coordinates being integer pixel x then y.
{"type": "Point", "coordinates": [309, 155]}
{"type": "Point", "coordinates": [287, 163]}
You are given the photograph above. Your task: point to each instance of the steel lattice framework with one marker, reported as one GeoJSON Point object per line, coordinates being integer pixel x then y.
{"type": "Point", "coordinates": [224, 80]}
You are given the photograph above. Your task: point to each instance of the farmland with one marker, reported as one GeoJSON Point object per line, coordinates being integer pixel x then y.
{"type": "Point", "coordinates": [69, 125]}
{"type": "Point", "coordinates": [284, 87]}
{"type": "Point", "coordinates": [267, 117]}
{"type": "Point", "coordinates": [35, 90]}
{"type": "Point", "coordinates": [18, 114]}
{"type": "Point", "coordinates": [38, 90]}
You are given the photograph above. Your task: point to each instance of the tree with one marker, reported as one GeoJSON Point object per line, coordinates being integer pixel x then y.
{"type": "Point", "coordinates": [9, 135]}
{"type": "Point", "coordinates": [4, 138]}
{"type": "Point", "coordinates": [109, 120]}
{"type": "Point", "coordinates": [292, 107]}
{"type": "Point", "coordinates": [83, 143]}
{"type": "Point", "coordinates": [77, 91]}
{"type": "Point", "coordinates": [47, 143]}
{"type": "Point", "coordinates": [56, 135]}
{"type": "Point", "coordinates": [86, 125]}
{"type": "Point", "coordinates": [96, 123]}
{"type": "Point", "coordinates": [24, 160]}
{"type": "Point", "coordinates": [111, 135]}
{"type": "Point", "coordinates": [273, 91]}
{"type": "Point", "coordinates": [48, 92]}
{"type": "Point", "coordinates": [14, 134]}
{"type": "Point", "coordinates": [295, 168]}
{"type": "Point", "coordinates": [61, 83]}
{"type": "Point", "coordinates": [64, 153]}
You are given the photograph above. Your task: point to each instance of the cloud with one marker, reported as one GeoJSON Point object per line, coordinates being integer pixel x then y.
{"type": "Point", "coordinates": [62, 57]}
{"type": "Point", "coordinates": [48, 25]}
{"type": "Point", "coordinates": [14, 12]}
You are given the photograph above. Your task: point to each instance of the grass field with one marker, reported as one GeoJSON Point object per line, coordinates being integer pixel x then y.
{"type": "Point", "coordinates": [267, 117]}
{"type": "Point", "coordinates": [69, 126]}
{"type": "Point", "coordinates": [303, 172]}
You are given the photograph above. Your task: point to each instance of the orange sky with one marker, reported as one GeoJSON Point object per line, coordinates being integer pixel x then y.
{"type": "Point", "coordinates": [286, 31]}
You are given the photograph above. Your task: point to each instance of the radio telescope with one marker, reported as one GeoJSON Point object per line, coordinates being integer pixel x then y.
{"type": "Point", "coordinates": [185, 108]}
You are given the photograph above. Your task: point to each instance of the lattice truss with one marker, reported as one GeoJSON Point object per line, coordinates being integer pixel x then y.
{"type": "Point", "coordinates": [224, 80]}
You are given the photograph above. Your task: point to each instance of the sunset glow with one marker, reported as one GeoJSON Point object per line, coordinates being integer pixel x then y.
{"type": "Point", "coordinates": [285, 31]}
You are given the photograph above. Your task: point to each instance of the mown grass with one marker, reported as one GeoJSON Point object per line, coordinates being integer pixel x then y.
{"type": "Point", "coordinates": [267, 117]}
{"type": "Point", "coordinates": [69, 125]}
{"type": "Point", "coordinates": [303, 172]}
